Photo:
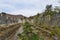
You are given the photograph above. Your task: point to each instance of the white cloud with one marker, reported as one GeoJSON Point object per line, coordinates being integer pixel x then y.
{"type": "Point", "coordinates": [25, 11]}
{"type": "Point", "coordinates": [6, 7]}
{"type": "Point", "coordinates": [37, 3]}
{"type": "Point", "coordinates": [28, 10]}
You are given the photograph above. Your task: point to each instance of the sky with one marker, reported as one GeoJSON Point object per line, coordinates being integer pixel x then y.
{"type": "Point", "coordinates": [25, 7]}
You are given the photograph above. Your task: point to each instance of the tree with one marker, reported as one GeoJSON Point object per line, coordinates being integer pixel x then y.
{"type": "Point", "coordinates": [57, 9]}
{"type": "Point", "coordinates": [48, 10]}
{"type": "Point", "coordinates": [49, 7]}
{"type": "Point", "coordinates": [27, 33]}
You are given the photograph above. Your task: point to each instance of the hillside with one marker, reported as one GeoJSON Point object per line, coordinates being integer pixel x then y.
{"type": "Point", "coordinates": [6, 18]}
{"type": "Point", "coordinates": [44, 26]}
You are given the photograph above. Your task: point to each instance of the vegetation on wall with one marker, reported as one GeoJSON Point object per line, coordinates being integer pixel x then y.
{"type": "Point", "coordinates": [42, 27]}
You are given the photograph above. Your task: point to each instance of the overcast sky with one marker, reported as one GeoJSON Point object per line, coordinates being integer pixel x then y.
{"type": "Point", "coordinates": [25, 7]}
